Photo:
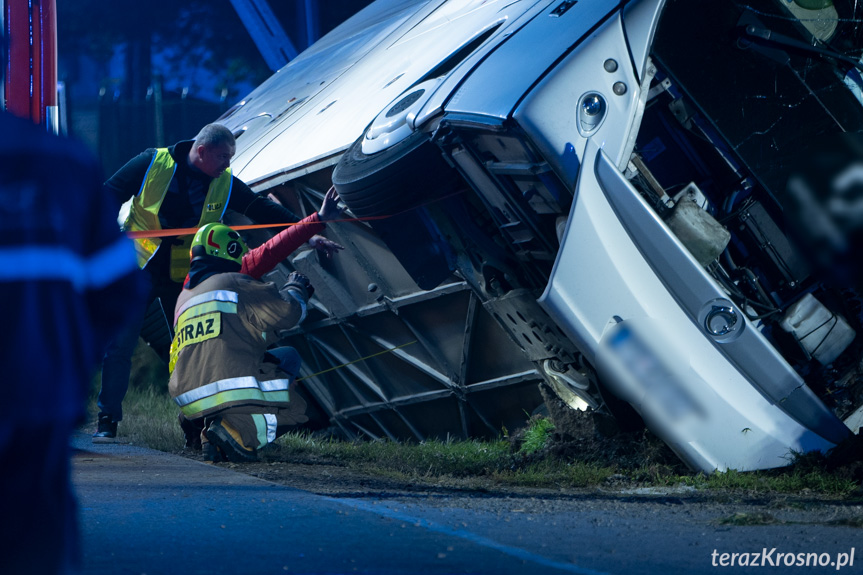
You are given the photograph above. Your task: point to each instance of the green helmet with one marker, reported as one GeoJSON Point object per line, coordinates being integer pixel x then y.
{"type": "Point", "coordinates": [220, 241]}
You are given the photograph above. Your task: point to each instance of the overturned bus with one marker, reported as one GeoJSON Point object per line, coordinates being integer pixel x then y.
{"type": "Point", "coordinates": [645, 208]}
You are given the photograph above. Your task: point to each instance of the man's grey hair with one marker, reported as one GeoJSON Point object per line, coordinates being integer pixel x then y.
{"type": "Point", "coordinates": [215, 135]}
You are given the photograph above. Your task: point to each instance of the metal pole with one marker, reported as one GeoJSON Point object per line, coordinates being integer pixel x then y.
{"type": "Point", "coordinates": [3, 59]}
{"type": "Point", "coordinates": [158, 111]}
{"type": "Point", "coordinates": [17, 30]}
{"type": "Point", "coordinates": [49, 112]}
{"type": "Point", "coordinates": [312, 22]}
{"type": "Point", "coordinates": [30, 88]}
{"type": "Point", "coordinates": [265, 30]}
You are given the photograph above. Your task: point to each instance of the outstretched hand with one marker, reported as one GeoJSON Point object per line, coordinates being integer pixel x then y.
{"type": "Point", "coordinates": [325, 246]}
{"type": "Point", "coordinates": [330, 209]}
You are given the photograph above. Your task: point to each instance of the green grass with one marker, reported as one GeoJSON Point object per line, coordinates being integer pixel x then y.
{"type": "Point", "coordinates": [149, 414]}
{"type": "Point", "coordinates": [537, 435]}
{"type": "Point", "coordinates": [796, 479]}
{"type": "Point", "coordinates": [150, 419]}
{"type": "Point", "coordinates": [435, 460]}
{"type": "Point", "coordinates": [429, 458]}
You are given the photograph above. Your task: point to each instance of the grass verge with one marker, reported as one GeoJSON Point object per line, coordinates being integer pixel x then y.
{"type": "Point", "coordinates": [532, 459]}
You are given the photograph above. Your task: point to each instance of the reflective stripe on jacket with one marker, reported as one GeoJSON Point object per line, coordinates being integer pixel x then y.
{"type": "Point", "coordinates": [233, 390]}
{"type": "Point", "coordinates": [200, 319]}
{"type": "Point", "coordinates": [144, 212]}
{"type": "Point", "coordinates": [223, 326]}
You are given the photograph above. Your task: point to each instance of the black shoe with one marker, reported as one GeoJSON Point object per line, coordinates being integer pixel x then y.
{"type": "Point", "coordinates": [229, 443]}
{"type": "Point", "coordinates": [106, 431]}
{"type": "Point", "coordinates": [191, 431]}
{"type": "Point", "coordinates": [212, 453]}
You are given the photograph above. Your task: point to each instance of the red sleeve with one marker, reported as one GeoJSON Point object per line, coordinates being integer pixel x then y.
{"type": "Point", "coordinates": [264, 258]}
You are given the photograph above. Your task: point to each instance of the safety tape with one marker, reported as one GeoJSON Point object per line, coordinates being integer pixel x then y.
{"type": "Point", "coordinates": [188, 231]}
{"type": "Point", "coordinates": [191, 231]}
{"type": "Point", "coordinates": [356, 360]}
{"type": "Point", "coordinates": [139, 234]}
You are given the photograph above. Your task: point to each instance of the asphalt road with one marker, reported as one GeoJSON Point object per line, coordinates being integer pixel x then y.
{"type": "Point", "coordinates": [147, 512]}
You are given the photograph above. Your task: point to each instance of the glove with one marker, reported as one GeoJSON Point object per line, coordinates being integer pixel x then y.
{"type": "Point", "coordinates": [330, 209]}
{"type": "Point", "coordinates": [301, 284]}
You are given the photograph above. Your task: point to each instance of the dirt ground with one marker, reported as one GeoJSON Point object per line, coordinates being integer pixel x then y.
{"type": "Point", "coordinates": [578, 435]}
{"type": "Point", "coordinates": [620, 496]}
{"type": "Point", "coordinates": [338, 480]}
{"type": "Point", "coordinates": [586, 437]}
{"type": "Point", "coordinates": [589, 437]}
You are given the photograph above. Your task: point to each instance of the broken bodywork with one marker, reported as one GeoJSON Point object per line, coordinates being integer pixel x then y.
{"type": "Point", "coordinates": [610, 200]}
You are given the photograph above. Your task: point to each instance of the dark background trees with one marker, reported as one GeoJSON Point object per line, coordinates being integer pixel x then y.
{"type": "Point", "coordinates": [138, 74]}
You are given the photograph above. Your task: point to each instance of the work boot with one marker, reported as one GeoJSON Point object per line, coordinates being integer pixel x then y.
{"type": "Point", "coordinates": [211, 453]}
{"type": "Point", "coordinates": [229, 442]}
{"type": "Point", "coordinates": [106, 431]}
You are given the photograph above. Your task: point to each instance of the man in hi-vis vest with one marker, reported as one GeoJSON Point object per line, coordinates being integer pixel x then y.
{"type": "Point", "coordinates": [187, 185]}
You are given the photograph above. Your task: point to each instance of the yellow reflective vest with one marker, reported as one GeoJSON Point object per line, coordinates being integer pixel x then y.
{"type": "Point", "coordinates": [144, 212]}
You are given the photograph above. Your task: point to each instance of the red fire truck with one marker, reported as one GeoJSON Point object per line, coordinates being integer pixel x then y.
{"type": "Point", "coordinates": [30, 75]}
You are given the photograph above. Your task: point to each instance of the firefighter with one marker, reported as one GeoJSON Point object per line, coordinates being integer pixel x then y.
{"type": "Point", "coordinates": [223, 376]}
{"type": "Point", "coordinates": [186, 185]}
{"type": "Point", "coordinates": [255, 263]}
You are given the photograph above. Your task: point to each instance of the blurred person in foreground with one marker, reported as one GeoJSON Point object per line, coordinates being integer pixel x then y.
{"type": "Point", "coordinates": [235, 392]}
{"type": "Point", "coordinates": [67, 275]}
{"type": "Point", "coordinates": [187, 185]}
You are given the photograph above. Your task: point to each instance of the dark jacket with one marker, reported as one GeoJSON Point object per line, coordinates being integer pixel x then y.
{"type": "Point", "coordinates": [184, 199]}
{"type": "Point", "coordinates": [67, 274]}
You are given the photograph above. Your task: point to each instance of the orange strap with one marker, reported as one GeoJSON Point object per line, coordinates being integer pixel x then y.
{"type": "Point", "coordinates": [190, 231]}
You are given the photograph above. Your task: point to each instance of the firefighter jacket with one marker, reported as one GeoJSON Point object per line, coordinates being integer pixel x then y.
{"type": "Point", "coordinates": [224, 325]}
{"type": "Point", "coordinates": [144, 211]}
{"type": "Point", "coordinates": [264, 258]}
{"type": "Point", "coordinates": [267, 256]}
